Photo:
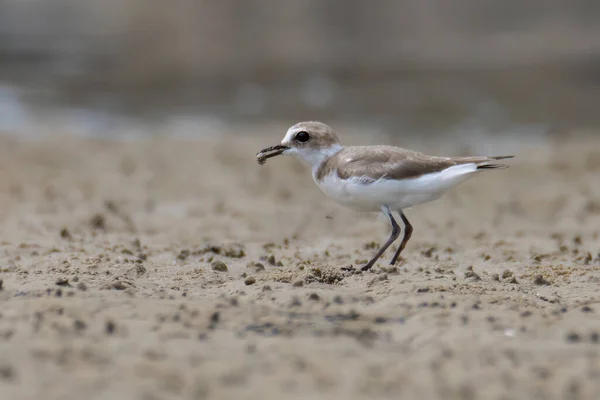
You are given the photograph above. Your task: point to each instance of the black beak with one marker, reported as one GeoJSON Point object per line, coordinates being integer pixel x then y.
{"type": "Point", "coordinates": [269, 152]}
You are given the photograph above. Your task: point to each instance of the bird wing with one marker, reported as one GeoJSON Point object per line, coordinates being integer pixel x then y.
{"type": "Point", "coordinates": [389, 162]}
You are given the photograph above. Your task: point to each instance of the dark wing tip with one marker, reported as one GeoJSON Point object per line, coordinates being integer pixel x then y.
{"type": "Point", "coordinates": [492, 166]}
{"type": "Point", "coordinates": [501, 157]}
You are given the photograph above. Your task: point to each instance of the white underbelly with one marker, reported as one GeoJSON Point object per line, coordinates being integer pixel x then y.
{"type": "Point", "coordinates": [368, 195]}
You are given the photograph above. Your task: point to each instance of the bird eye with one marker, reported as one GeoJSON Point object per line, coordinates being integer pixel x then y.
{"type": "Point", "coordinates": [302, 136]}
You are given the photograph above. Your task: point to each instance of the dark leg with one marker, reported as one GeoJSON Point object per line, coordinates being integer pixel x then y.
{"type": "Point", "coordinates": [408, 230]}
{"type": "Point", "coordinates": [393, 236]}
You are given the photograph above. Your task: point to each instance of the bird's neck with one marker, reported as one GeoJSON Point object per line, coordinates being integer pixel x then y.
{"type": "Point", "coordinates": [316, 159]}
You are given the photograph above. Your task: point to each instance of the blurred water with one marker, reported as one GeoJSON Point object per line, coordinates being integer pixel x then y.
{"type": "Point", "coordinates": [189, 68]}
{"type": "Point", "coordinates": [486, 129]}
{"type": "Point", "coordinates": [14, 116]}
{"type": "Point", "coordinates": [18, 117]}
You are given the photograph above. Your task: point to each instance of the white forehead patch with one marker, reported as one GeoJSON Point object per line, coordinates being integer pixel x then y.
{"type": "Point", "coordinates": [289, 136]}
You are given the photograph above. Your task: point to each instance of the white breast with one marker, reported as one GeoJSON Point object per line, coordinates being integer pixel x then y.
{"type": "Point", "coordinates": [365, 194]}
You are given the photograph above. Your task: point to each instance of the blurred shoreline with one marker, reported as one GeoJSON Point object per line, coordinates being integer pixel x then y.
{"type": "Point", "coordinates": [403, 65]}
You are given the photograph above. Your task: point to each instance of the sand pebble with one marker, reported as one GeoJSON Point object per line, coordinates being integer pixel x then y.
{"type": "Point", "coordinates": [79, 325]}
{"type": "Point", "coordinates": [546, 294]}
{"type": "Point", "coordinates": [256, 266]}
{"type": "Point", "coordinates": [7, 372]}
{"type": "Point", "coordinates": [507, 274]}
{"type": "Point", "coordinates": [540, 281]}
{"type": "Point", "coordinates": [295, 302]}
{"type": "Point", "coordinates": [471, 275]}
{"type": "Point", "coordinates": [98, 221]}
{"type": "Point", "coordinates": [65, 234]}
{"type": "Point", "coordinates": [110, 327]}
{"type": "Point", "coordinates": [219, 266]}
{"type": "Point", "coordinates": [214, 320]}
{"type": "Point", "coordinates": [573, 337]}
{"type": "Point", "coordinates": [513, 281]}
{"type": "Point", "coordinates": [63, 282]}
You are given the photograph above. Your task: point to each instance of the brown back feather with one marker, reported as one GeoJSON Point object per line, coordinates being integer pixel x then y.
{"type": "Point", "coordinates": [389, 162]}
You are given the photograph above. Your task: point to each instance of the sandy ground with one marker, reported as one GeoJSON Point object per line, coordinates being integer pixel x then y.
{"type": "Point", "coordinates": [181, 269]}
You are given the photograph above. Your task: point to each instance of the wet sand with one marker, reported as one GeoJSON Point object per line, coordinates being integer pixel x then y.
{"type": "Point", "coordinates": [169, 268]}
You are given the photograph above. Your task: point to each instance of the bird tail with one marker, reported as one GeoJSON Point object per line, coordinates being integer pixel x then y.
{"type": "Point", "coordinates": [492, 166]}
{"type": "Point", "coordinates": [483, 164]}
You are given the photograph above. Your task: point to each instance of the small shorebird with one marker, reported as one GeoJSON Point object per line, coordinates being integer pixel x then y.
{"type": "Point", "coordinates": [375, 178]}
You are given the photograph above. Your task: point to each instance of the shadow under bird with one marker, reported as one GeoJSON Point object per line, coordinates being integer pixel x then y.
{"type": "Point", "coordinates": [375, 178]}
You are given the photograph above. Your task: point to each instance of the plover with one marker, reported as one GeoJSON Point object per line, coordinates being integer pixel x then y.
{"type": "Point", "coordinates": [375, 178]}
